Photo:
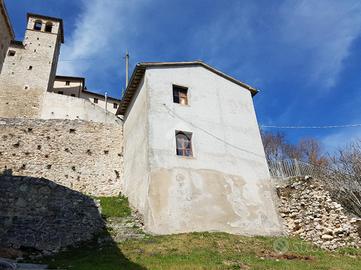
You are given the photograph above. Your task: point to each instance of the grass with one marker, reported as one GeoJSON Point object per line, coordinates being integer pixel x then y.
{"type": "Point", "coordinates": [207, 251]}
{"type": "Point", "coordinates": [114, 206]}
{"type": "Point", "coordinates": [200, 251]}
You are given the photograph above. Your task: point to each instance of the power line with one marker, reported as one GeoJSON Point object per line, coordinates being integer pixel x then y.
{"type": "Point", "coordinates": [173, 114]}
{"type": "Point", "coordinates": [311, 127]}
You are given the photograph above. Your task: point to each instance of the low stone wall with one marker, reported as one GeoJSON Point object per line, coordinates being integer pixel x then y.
{"type": "Point", "coordinates": [308, 211]}
{"type": "Point", "coordinates": [81, 155]}
{"type": "Point", "coordinates": [39, 214]}
{"type": "Point", "coordinates": [57, 106]}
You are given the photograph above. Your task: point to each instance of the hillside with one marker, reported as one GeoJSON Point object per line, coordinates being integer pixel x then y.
{"type": "Point", "coordinates": [195, 250]}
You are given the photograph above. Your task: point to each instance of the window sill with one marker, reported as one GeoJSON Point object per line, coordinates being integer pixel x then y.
{"type": "Point", "coordinates": [186, 157]}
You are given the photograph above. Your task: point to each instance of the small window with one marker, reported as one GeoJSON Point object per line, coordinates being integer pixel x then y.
{"type": "Point", "coordinates": [115, 105]}
{"type": "Point", "coordinates": [180, 95]}
{"type": "Point", "coordinates": [184, 143]}
{"type": "Point", "coordinates": [48, 27]}
{"type": "Point", "coordinates": [67, 83]}
{"type": "Point", "coordinates": [30, 67]}
{"type": "Point", "coordinates": [73, 95]}
{"type": "Point", "coordinates": [95, 100]}
{"type": "Point", "coordinates": [11, 53]}
{"type": "Point", "coordinates": [37, 25]}
{"type": "Point", "coordinates": [61, 93]}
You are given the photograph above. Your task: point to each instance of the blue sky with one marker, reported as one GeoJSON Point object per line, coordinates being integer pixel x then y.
{"type": "Point", "coordinates": [304, 56]}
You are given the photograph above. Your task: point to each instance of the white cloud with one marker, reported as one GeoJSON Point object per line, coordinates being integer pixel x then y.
{"type": "Point", "coordinates": [100, 37]}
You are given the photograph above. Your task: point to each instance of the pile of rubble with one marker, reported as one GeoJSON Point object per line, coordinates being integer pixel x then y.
{"type": "Point", "coordinates": [309, 212]}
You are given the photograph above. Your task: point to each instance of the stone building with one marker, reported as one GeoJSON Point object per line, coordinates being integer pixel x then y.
{"type": "Point", "coordinates": [193, 155]}
{"type": "Point", "coordinates": [6, 33]}
{"type": "Point", "coordinates": [30, 67]}
{"type": "Point", "coordinates": [31, 63]}
{"type": "Point", "coordinates": [28, 79]}
{"type": "Point", "coordinates": [189, 157]}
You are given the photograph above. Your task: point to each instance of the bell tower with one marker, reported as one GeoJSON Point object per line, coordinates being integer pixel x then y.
{"type": "Point", "coordinates": [32, 63]}
{"type": "Point", "coordinates": [30, 66]}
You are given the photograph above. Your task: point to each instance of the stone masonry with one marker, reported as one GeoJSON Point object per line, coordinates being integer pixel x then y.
{"type": "Point", "coordinates": [84, 156]}
{"type": "Point", "coordinates": [309, 212]}
{"type": "Point", "coordinates": [6, 33]}
{"type": "Point", "coordinates": [39, 215]}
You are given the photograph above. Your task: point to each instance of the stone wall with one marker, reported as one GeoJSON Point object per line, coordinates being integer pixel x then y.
{"type": "Point", "coordinates": [5, 33]}
{"type": "Point", "coordinates": [39, 214]}
{"type": "Point", "coordinates": [84, 156]}
{"type": "Point", "coordinates": [309, 212]}
{"type": "Point", "coordinates": [16, 102]}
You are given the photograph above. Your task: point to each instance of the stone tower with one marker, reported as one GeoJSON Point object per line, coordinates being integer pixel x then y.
{"type": "Point", "coordinates": [30, 67]}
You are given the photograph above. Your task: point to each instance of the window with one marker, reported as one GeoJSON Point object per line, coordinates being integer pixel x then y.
{"type": "Point", "coordinates": [180, 95]}
{"type": "Point", "coordinates": [67, 83]}
{"type": "Point", "coordinates": [11, 53]}
{"type": "Point", "coordinates": [115, 105]}
{"type": "Point", "coordinates": [73, 95]}
{"type": "Point", "coordinates": [95, 100]}
{"type": "Point", "coordinates": [184, 143]}
{"type": "Point", "coordinates": [48, 27]}
{"type": "Point", "coordinates": [37, 25]}
{"type": "Point", "coordinates": [61, 92]}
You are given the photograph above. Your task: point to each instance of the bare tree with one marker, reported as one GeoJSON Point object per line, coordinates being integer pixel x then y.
{"type": "Point", "coordinates": [343, 177]}
{"type": "Point", "coordinates": [310, 151]}
{"type": "Point", "coordinates": [274, 145]}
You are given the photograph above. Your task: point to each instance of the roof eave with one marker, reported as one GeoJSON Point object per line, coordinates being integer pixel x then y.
{"type": "Point", "coordinates": [141, 67]}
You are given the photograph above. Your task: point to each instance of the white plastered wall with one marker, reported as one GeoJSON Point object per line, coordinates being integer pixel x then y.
{"type": "Point", "coordinates": [226, 185]}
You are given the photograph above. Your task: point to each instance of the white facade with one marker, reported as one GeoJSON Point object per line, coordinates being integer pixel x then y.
{"type": "Point", "coordinates": [226, 185]}
{"type": "Point", "coordinates": [75, 87]}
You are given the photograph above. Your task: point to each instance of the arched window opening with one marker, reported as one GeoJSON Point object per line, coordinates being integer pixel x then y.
{"type": "Point", "coordinates": [37, 25]}
{"type": "Point", "coordinates": [49, 27]}
{"type": "Point", "coordinates": [184, 143]}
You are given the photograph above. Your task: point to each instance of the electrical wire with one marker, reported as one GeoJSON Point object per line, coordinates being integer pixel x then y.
{"type": "Point", "coordinates": [174, 115]}
{"type": "Point", "coordinates": [311, 127]}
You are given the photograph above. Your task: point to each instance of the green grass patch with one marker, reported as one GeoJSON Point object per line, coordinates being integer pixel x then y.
{"type": "Point", "coordinates": [207, 251]}
{"type": "Point", "coordinates": [115, 206]}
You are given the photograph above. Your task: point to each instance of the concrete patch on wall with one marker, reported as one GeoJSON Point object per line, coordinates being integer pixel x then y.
{"type": "Point", "coordinates": [84, 156]}
{"type": "Point", "coordinates": [187, 200]}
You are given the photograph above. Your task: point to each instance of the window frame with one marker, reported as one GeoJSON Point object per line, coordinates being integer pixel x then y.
{"type": "Point", "coordinates": [67, 83]}
{"type": "Point", "coordinates": [115, 105]}
{"type": "Point", "coordinates": [187, 149]}
{"type": "Point", "coordinates": [95, 100]}
{"type": "Point", "coordinates": [38, 25]}
{"type": "Point", "coordinates": [49, 27]}
{"type": "Point", "coordinates": [11, 53]}
{"type": "Point", "coordinates": [180, 93]}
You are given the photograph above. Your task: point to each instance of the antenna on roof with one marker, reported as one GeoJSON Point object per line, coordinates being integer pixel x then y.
{"type": "Point", "coordinates": [126, 68]}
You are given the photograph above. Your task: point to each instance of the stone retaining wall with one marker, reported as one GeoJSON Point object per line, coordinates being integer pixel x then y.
{"type": "Point", "coordinates": [308, 211]}
{"type": "Point", "coordinates": [39, 214]}
{"type": "Point", "coordinates": [81, 155]}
